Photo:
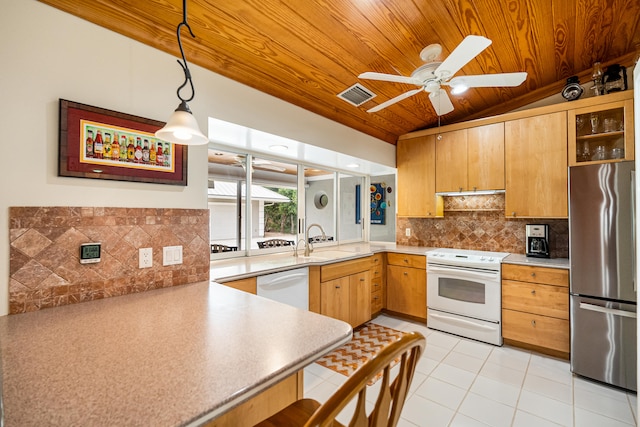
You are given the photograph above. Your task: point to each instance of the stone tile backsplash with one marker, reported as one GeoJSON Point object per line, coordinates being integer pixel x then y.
{"type": "Point", "coordinates": [45, 242]}
{"type": "Point", "coordinates": [479, 223]}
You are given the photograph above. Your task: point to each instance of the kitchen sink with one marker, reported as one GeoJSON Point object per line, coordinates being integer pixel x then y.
{"type": "Point", "coordinates": [329, 254]}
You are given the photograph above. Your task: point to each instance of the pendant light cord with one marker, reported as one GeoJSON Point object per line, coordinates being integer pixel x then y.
{"type": "Point", "coordinates": [183, 64]}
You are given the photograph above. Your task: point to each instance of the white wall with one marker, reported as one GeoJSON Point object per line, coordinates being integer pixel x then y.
{"type": "Point", "coordinates": [47, 54]}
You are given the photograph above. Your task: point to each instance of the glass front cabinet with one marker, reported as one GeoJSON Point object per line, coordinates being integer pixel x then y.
{"type": "Point", "coordinates": [601, 133]}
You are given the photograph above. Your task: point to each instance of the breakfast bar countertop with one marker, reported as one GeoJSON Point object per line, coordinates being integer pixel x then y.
{"type": "Point", "coordinates": [173, 356]}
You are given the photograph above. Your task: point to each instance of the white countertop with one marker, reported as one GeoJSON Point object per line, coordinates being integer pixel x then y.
{"type": "Point", "coordinates": [167, 357]}
{"type": "Point", "coordinates": [242, 267]}
{"type": "Point", "coordinates": [537, 262]}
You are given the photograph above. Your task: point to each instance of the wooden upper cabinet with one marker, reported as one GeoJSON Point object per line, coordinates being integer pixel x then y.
{"type": "Point", "coordinates": [536, 166]}
{"type": "Point", "coordinates": [451, 161]}
{"type": "Point", "coordinates": [471, 159]}
{"type": "Point", "coordinates": [601, 133]}
{"type": "Point", "coordinates": [415, 160]}
{"type": "Point", "coordinates": [485, 157]}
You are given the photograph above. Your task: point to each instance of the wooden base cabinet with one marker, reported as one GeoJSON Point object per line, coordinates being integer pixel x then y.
{"type": "Point", "coordinates": [248, 285]}
{"type": "Point", "coordinates": [345, 291]}
{"type": "Point", "coordinates": [535, 308]}
{"type": "Point", "coordinates": [407, 285]}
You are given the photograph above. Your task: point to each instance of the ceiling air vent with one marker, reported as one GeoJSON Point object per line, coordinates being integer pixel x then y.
{"type": "Point", "coordinates": [357, 95]}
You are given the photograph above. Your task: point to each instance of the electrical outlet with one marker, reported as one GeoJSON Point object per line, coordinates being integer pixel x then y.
{"type": "Point", "coordinates": [172, 255]}
{"type": "Point", "coordinates": [145, 257]}
{"type": "Point", "coordinates": [407, 231]}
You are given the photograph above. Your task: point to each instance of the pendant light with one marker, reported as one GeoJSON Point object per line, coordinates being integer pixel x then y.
{"type": "Point", "coordinates": [182, 128]}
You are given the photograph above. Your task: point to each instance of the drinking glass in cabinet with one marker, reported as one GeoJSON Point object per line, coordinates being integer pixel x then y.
{"type": "Point", "coordinates": [595, 121]}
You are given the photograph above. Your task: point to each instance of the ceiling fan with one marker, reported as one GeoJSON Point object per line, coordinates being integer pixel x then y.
{"type": "Point", "coordinates": [433, 74]}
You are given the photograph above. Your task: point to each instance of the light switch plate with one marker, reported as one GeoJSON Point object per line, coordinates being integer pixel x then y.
{"type": "Point", "coordinates": [172, 255]}
{"type": "Point", "coordinates": [145, 258]}
{"type": "Point", "coordinates": [407, 231]}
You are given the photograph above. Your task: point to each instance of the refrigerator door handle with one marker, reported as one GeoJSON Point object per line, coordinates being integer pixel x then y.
{"type": "Point", "coordinates": [606, 310]}
{"type": "Point", "coordinates": [633, 230]}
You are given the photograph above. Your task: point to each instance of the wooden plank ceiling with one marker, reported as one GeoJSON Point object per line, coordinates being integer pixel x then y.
{"type": "Point", "coordinates": [307, 51]}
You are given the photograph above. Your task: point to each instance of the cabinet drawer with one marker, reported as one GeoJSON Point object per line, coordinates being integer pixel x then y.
{"type": "Point", "coordinates": [376, 285]}
{"type": "Point", "coordinates": [376, 301]}
{"type": "Point", "coordinates": [542, 331]}
{"type": "Point", "coordinates": [377, 260]}
{"type": "Point", "coordinates": [415, 261]}
{"type": "Point", "coordinates": [377, 272]}
{"type": "Point", "coordinates": [345, 268]}
{"type": "Point", "coordinates": [526, 273]}
{"type": "Point", "coordinates": [545, 300]}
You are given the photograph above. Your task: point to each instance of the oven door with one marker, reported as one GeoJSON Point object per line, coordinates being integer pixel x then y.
{"type": "Point", "coordinates": [464, 291]}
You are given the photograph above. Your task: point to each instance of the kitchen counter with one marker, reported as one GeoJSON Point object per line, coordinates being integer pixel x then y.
{"type": "Point", "coordinates": [537, 262]}
{"type": "Point", "coordinates": [167, 357]}
{"type": "Point", "coordinates": [243, 267]}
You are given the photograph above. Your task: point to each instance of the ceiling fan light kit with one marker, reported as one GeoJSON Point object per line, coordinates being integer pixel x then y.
{"type": "Point", "coordinates": [431, 76]}
{"type": "Point", "coordinates": [182, 128]}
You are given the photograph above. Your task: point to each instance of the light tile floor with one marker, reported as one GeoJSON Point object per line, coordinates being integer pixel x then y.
{"type": "Point", "coordinates": [464, 383]}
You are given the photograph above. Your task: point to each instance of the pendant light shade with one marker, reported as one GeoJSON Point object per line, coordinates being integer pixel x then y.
{"type": "Point", "coordinates": [182, 128]}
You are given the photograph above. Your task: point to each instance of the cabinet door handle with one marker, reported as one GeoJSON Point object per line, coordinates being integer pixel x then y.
{"type": "Point", "coordinates": [533, 323]}
{"type": "Point", "coordinates": [375, 298]}
{"type": "Point", "coordinates": [405, 273]}
{"type": "Point", "coordinates": [533, 274]}
{"type": "Point", "coordinates": [337, 287]}
{"type": "Point", "coordinates": [513, 214]}
{"type": "Point", "coordinates": [362, 280]}
{"type": "Point", "coordinates": [406, 260]}
{"type": "Point", "coordinates": [460, 189]}
{"type": "Point", "coordinates": [533, 292]}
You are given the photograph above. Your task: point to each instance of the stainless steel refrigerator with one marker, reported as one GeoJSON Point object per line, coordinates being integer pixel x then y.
{"type": "Point", "coordinates": [602, 286]}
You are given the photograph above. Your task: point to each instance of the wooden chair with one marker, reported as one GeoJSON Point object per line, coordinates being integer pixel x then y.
{"type": "Point", "coordinates": [216, 248]}
{"type": "Point", "coordinates": [310, 413]}
{"type": "Point", "coordinates": [274, 243]}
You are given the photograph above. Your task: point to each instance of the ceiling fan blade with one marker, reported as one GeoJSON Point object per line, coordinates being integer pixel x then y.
{"type": "Point", "coordinates": [441, 102]}
{"type": "Point", "coordinates": [468, 49]}
{"type": "Point", "coordinates": [394, 100]}
{"type": "Point", "coordinates": [489, 80]}
{"type": "Point", "coordinates": [390, 78]}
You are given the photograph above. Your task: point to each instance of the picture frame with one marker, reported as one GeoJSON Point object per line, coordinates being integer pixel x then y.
{"type": "Point", "coordinates": [378, 203]}
{"type": "Point", "coordinates": [91, 137]}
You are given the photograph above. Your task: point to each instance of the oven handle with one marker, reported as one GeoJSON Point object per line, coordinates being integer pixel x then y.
{"type": "Point", "coordinates": [466, 323]}
{"type": "Point", "coordinates": [460, 272]}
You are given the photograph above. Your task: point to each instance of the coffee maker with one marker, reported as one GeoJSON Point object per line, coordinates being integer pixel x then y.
{"type": "Point", "coordinates": [537, 238]}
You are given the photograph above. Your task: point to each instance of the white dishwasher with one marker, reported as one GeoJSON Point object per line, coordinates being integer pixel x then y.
{"type": "Point", "coordinates": [288, 287]}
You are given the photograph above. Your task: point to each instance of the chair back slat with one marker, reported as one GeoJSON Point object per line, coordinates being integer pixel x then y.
{"type": "Point", "coordinates": [360, 414]}
{"type": "Point", "coordinates": [380, 413]}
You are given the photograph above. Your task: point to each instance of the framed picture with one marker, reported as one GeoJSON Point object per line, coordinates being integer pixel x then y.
{"type": "Point", "coordinates": [105, 144]}
{"type": "Point", "coordinates": [378, 204]}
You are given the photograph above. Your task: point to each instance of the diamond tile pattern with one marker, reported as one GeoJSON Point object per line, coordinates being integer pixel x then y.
{"type": "Point", "coordinates": [479, 222]}
{"type": "Point", "coordinates": [45, 242]}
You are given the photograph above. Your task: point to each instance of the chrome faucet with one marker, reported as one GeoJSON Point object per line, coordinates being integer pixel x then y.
{"type": "Point", "coordinates": [307, 248]}
{"type": "Point", "coordinates": [295, 248]}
